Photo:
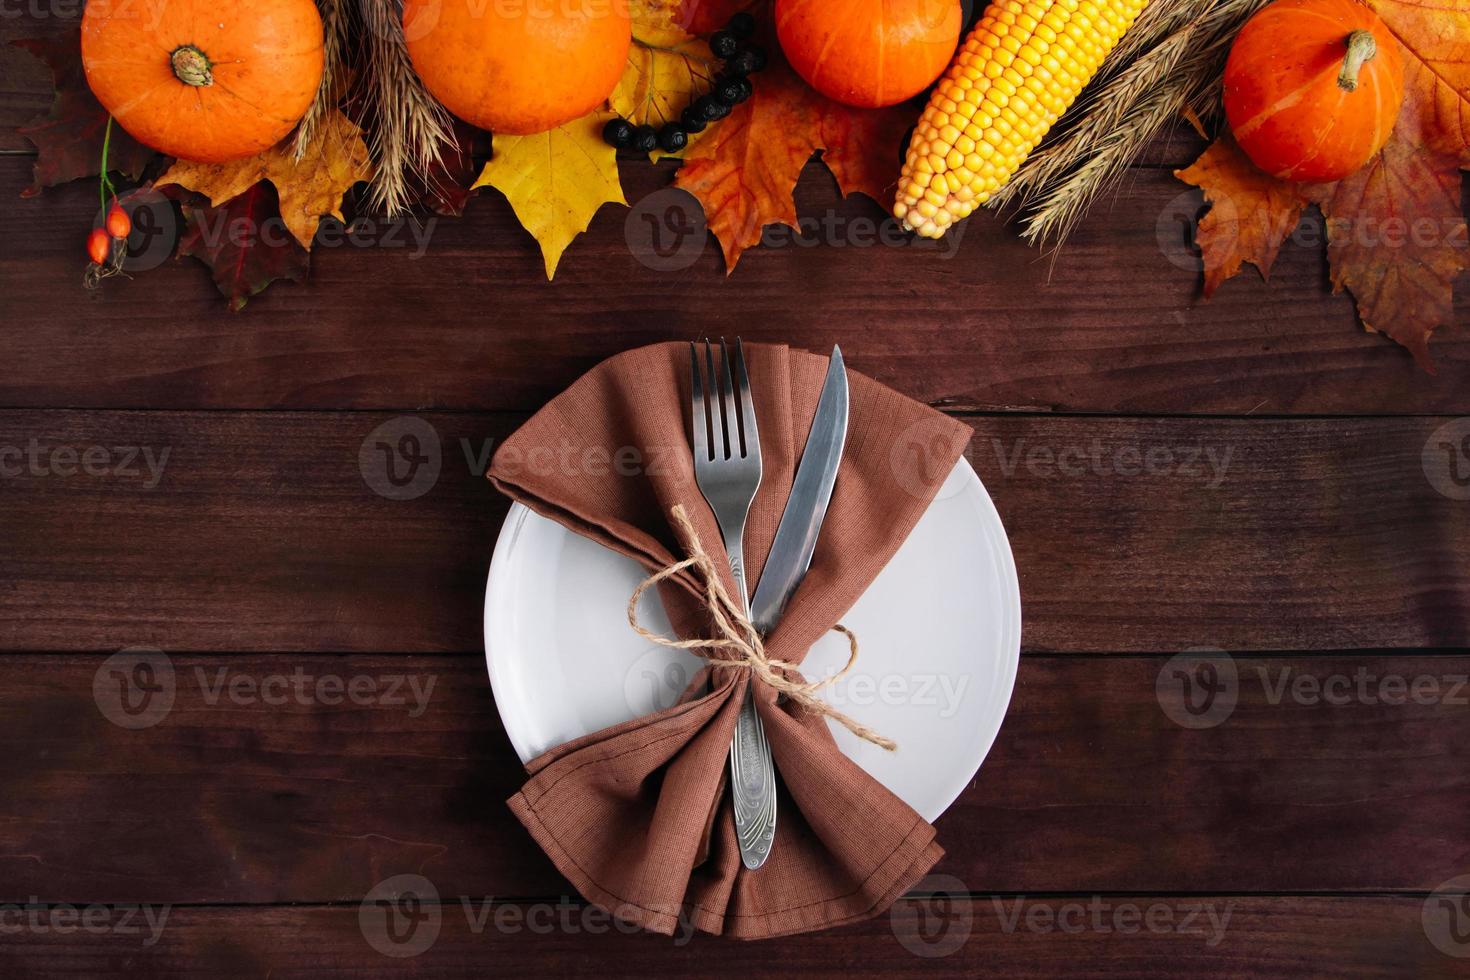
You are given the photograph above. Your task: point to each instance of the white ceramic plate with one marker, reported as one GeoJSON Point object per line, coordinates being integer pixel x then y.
{"type": "Point", "coordinates": [940, 634]}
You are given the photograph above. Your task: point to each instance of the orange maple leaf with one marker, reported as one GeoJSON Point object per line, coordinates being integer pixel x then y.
{"type": "Point", "coordinates": [745, 170]}
{"type": "Point", "coordinates": [1250, 215]}
{"type": "Point", "coordinates": [1396, 232]}
{"type": "Point", "coordinates": [1435, 38]}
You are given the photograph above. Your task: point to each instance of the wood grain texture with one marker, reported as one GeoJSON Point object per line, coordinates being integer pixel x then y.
{"type": "Point", "coordinates": [251, 787]}
{"type": "Point", "coordinates": [1262, 938]}
{"type": "Point", "coordinates": [1130, 534]}
{"type": "Point", "coordinates": [1114, 325]}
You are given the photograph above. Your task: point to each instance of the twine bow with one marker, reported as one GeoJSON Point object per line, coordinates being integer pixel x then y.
{"type": "Point", "coordinates": [737, 635]}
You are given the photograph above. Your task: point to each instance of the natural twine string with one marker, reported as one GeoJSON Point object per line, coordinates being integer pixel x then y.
{"type": "Point", "coordinates": [736, 634]}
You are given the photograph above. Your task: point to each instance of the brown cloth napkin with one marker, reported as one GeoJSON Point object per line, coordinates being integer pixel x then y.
{"type": "Point", "coordinates": [635, 815]}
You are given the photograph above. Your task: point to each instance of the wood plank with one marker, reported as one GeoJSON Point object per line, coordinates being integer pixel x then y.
{"type": "Point", "coordinates": [1262, 938]}
{"type": "Point", "coordinates": [251, 786]}
{"type": "Point", "coordinates": [1114, 325]}
{"type": "Point", "coordinates": [1131, 534]}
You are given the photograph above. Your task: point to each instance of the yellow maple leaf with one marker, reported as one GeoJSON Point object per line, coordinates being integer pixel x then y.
{"type": "Point", "coordinates": [556, 180]}
{"type": "Point", "coordinates": [310, 188]}
{"type": "Point", "coordinates": [667, 68]}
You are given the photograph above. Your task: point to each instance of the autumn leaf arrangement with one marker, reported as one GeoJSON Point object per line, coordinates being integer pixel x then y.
{"type": "Point", "coordinates": [1386, 175]}
{"type": "Point", "coordinates": [407, 97]}
{"type": "Point", "coordinates": [274, 111]}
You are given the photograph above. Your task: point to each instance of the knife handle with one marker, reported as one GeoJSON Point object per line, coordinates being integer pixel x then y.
{"type": "Point", "coordinates": [752, 785]}
{"type": "Point", "coordinates": [752, 770]}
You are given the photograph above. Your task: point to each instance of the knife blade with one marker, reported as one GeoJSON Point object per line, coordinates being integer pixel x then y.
{"type": "Point", "coordinates": [806, 507]}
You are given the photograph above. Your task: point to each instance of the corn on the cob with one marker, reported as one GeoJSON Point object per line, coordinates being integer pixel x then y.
{"type": "Point", "coordinates": [1017, 72]}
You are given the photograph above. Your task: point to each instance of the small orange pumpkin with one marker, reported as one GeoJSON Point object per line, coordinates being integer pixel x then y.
{"type": "Point", "coordinates": [208, 82]}
{"type": "Point", "coordinates": [521, 66]}
{"type": "Point", "coordinates": [869, 53]}
{"type": "Point", "coordinates": [1312, 88]}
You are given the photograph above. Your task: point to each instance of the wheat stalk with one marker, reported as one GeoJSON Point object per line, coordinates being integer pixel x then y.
{"type": "Point", "coordinates": [1170, 63]}
{"type": "Point", "coordinates": [1157, 22]}
{"type": "Point", "coordinates": [1113, 113]}
{"type": "Point", "coordinates": [336, 71]}
{"type": "Point", "coordinates": [1064, 203]}
{"type": "Point", "coordinates": [409, 127]}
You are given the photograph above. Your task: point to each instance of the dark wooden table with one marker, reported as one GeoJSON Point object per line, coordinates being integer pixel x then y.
{"type": "Point", "coordinates": [1254, 477]}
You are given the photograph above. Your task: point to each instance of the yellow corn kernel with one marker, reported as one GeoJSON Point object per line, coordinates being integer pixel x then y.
{"type": "Point", "coordinates": [1017, 72]}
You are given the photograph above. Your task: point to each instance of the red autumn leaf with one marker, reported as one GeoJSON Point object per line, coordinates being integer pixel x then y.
{"type": "Point", "coordinates": [447, 189]}
{"type": "Point", "coordinates": [1250, 215]}
{"type": "Point", "coordinates": [244, 242]}
{"type": "Point", "coordinates": [69, 137]}
{"type": "Point", "coordinates": [863, 148]}
{"type": "Point", "coordinates": [744, 171]}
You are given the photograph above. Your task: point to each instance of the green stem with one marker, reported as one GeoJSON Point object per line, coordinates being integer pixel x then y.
{"type": "Point", "coordinates": [105, 184]}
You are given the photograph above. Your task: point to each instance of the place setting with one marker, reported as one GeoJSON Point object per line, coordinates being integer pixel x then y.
{"type": "Point", "coordinates": [752, 624]}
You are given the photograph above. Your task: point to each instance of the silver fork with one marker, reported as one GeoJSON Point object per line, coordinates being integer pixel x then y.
{"type": "Point", "coordinates": [727, 467]}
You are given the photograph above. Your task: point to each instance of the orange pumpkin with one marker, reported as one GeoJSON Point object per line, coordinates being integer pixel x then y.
{"type": "Point", "coordinates": [1312, 88]}
{"type": "Point", "coordinates": [869, 53]}
{"type": "Point", "coordinates": [518, 66]}
{"type": "Point", "coordinates": [209, 81]}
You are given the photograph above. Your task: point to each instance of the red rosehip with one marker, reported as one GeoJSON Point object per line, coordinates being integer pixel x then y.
{"type": "Point", "coordinates": [99, 246]}
{"type": "Point", "coordinates": [119, 225]}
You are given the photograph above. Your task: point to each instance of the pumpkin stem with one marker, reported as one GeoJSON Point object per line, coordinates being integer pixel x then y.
{"type": "Point", "coordinates": [1361, 47]}
{"type": "Point", "coordinates": [191, 66]}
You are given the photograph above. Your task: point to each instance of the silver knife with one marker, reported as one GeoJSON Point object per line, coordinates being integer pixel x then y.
{"type": "Point", "coordinates": [806, 508]}
{"type": "Point", "coordinates": [791, 556]}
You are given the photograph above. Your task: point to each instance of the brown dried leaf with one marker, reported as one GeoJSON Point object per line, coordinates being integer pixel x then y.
{"type": "Point", "coordinates": [1397, 239]}
{"type": "Point", "coordinates": [310, 189]}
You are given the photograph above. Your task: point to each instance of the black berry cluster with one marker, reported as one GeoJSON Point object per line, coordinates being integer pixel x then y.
{"type": "Point", "coordinates": [731, 44]}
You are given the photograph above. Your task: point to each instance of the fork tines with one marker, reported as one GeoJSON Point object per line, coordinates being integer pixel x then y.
{"type": "Point", "coordinates": [728, 430]}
